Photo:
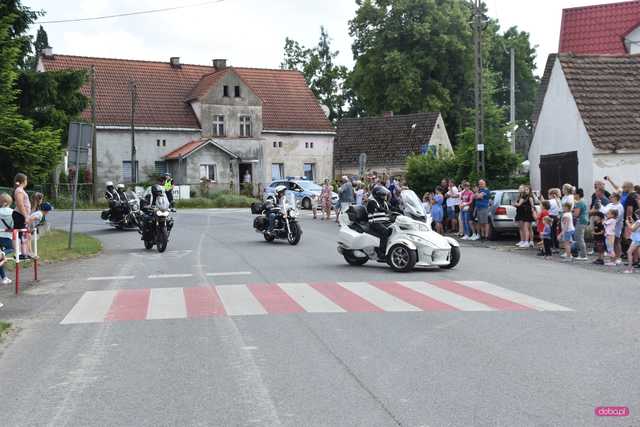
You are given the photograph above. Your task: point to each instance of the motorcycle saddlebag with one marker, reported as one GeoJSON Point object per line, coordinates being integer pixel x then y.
{"type": "Point", "coordinates": [257, 208]}
{"type": "Point", "coordinates": [260, 223]}
{"type": "Point", "coordinates": [105, 215]}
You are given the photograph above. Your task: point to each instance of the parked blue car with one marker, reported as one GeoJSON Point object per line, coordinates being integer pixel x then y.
{"type": "Point", "coordinates": [307, 192]}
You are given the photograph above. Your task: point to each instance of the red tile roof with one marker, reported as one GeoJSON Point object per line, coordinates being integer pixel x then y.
{"type": "Point", "coordinates": [288, 103]}
{"type": "Point", "coordinates": [186, 149]}
{"type": "Point", "coordinates": [598, 29]}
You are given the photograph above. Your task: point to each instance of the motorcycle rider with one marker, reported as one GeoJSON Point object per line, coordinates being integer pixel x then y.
{"type": "Point", "coordinates": [278, 206]}
{"type": "Point", "coordinates": [113, 198]}
{"type": "Point", "coordinates": [379, 217]}
{"type": "Point", "coordinates": [111, 194]}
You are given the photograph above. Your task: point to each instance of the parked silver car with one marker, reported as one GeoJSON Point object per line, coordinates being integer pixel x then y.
{"type": "Point", "coordinates": [502, 212]}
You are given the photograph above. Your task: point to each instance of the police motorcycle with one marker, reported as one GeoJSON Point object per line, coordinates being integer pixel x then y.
{"type": "Point", "coordinates": [156, 221]}
{"type": "Point", "coordinates": [124, 208]}
{"type": "Point", "coordinates": [412, 243]}
{"type": "Point", "coordinates": [286, 224]}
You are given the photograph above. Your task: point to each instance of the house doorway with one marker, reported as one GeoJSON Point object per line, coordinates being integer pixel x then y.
{"type": "Point", "coordinates": [246, 178]}
{"type": "Point", "coordinates": [558, 169]}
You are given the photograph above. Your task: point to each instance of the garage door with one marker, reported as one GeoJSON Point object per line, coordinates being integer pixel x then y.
{"type": "Point", "coordinates": [558, 169]}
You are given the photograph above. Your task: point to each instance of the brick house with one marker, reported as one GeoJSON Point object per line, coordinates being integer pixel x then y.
{"type": "Point", "coordinates": [387, 141]}
{"type": "Point", "coordinates": [218, 124]}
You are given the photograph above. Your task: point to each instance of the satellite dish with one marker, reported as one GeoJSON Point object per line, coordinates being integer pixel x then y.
{"type": "Point", "coordinates": [326, 110]}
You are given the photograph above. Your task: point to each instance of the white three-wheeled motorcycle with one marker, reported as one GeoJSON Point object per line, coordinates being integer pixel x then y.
{"type": "Point", "coordinates": [411, 243]}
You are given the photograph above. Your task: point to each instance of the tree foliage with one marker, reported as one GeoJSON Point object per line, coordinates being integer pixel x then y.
{"type": "Point", "coordinates": [20, 18]}
{"type": "Point", "coordinates": [323, 76]}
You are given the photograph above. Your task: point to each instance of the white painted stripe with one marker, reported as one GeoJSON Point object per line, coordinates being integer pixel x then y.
{"type": "Point", "coordinates": [239, 301]}
{"type": "Point", "coordinates": [526, 300]}
{"type": "Point", "coordinates": [447, 297]}
{"type": "Point", "coordinates": [308, 298]}
{"type": "Point", "coordinates": [167, 303]}
{"type": "Point", "coordinates": [169, 276]}
{"type": "Point", "coordinates": [92, 307]}
{"type": "Point", "coordinates": [230, 273]}
{"type": "Point", "coordinates": [101, 278]}
{"type": "Point", "coordinates": [378, 297]}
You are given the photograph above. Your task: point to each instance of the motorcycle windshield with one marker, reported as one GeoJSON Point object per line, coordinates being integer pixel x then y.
{"type": "Point", "coordinates": [131, 195]}
{"type": "Point", "coordinates": [412, 203]}
{"type": "Point", "coordinates": [162, 203]}
{"type": "Point", "coordinates": [290, 201]}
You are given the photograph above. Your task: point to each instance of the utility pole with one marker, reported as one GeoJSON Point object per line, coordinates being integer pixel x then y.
{"type": "Point", "coordinates": [134, 97]}
{"type": "Point", "coordinates": [512, 115]}
{"type": "Point", "coordinates": [94, 150]}
{"type": "Point", "coordinates": [478, 86]}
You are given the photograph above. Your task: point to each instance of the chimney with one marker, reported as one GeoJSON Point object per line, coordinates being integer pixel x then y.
{"type": "Point", "coordinates": [219, 64]}
{"type": "Point", "coordinates": [388, 114]}
{"type": "Point", "coordinates": [175, 62]}
{"type": "Point", "coordinates": [47, 52]}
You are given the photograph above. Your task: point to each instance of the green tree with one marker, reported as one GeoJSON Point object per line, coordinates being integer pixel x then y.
{"type": "Point", "coordinates": [22, 148]}
{"type": "Point", "coordinates": [323, 76]}
{"type": "Point", "coordinates": [41, 43]}
{"type": "Point", "coordinates": [21, 17]}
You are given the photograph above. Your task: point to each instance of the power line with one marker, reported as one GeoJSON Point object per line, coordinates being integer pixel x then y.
{"type": "Point", "coordinates": [119, 15]}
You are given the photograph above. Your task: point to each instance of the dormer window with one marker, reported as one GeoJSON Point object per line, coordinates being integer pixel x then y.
{"type": "Point", "coordinates": [218, 126]}
{"type": "Point", "coordinates": [225, 91]}
{"type": "Point", "coordinates": [245, 126]}
{"type": "Point", "coordinates": [237, 91]}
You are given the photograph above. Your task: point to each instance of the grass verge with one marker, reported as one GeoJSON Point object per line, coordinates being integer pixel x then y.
{"type": "Point", "coordinates": [52, 247]}
{"type": "Point", "coordinates": [4, 326]}
{"type": "Point", "coordinates": [217, 200]}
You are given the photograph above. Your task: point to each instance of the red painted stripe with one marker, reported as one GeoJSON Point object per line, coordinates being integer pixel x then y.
{"type": "Point", "coordinates": [203, 302]}
{"type": "Point", "coordinates": [345, 299]}
{"type": "Point", "coordinates": [414, 298]}
{"type": "Point", "coordinates": [274, 299]}
{"type": "Point", "coordinates": [129, 304]}
{"type": "Point", "coordinates": [476, 295]}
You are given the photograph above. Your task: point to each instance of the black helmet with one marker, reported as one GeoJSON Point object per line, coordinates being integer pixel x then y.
{"type": "Point", "coordinates": [156, 190]}
{"type": "Point", "coordinates": [380, 193]}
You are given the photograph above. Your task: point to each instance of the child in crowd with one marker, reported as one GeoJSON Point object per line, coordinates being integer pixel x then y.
{"type": "Point", "coordinates": [547, 241]}
{"type": "Point", "coordinates": [6, 222]}
{"type": "Point", "coordinates": [3, 276]}
{"type": "Point", "coordinates": [634, 226]}
{"type": "Point", "coordinates": [540, 226]}
{"type": "Point", "coordinates": [36, 201]}
{"type": "Point", "coordinates": [35, 219]}
{"type": "Point", "coordinates": [568, 230]}
{"type": "Point", "coordinates": [437, 210]}
{"type": "Point", "coordinates": [610, 235]}
{"type": "Point", "coordinates": [555, 210]}
{"type": "Point", "coordinates": [426, 203]}
{"type": "Point", "coordinates": [599, 245]}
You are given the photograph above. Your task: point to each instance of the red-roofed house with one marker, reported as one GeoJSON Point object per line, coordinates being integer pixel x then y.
{"type": "Point", "coordinates": [216, 123]}
{"type": "Point", "coordinates": [601, 29]}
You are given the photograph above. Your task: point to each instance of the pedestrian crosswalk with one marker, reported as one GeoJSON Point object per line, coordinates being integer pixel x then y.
{"type": "Point", "coordinates": [291, 298]}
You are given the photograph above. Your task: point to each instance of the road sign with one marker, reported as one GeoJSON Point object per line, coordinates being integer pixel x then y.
{"type": "Point", "coordinates": [79, 143]}
{"type": "Point", "coordinates": [480, 147]}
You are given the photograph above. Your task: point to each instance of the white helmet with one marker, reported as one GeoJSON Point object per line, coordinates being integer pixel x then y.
{"type": "Point", "coordinates": [109, 183]}
{"type": "Point", "coordinates": [120, 187]}
{"type": "Point", "coordinates": [280, 189]}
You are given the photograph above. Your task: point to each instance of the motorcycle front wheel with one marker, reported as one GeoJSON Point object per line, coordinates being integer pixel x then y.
{"type": "Point", "coordinates": [148, 244]}
{"type": "Point", "coordinates": [296, 234]}
{"type": "Point", "coordinates": [401, 258]}
{"type": "Point", "coordinates": [163, 239]}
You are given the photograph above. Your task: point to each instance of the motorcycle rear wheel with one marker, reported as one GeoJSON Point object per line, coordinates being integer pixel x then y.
{"type": "Point", "coordinates": [354, 260]}
{"type": "Point", "coordinates": [268, 237]}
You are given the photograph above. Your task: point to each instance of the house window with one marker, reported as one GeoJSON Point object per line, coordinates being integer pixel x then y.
{"type": "Point", "coordinates": [161, 167]}
{"type": "Point", "coordinates": [277, 171]}
{"type": "Point", "coordinates": [218, 126]}
{"type": "Point", "coordinates": [225, 91]}
{"type": "Point", "coordinates": [311, 145]}
{"type": "Point", "coordinates": [158, 142]}
{"type": "Point", "coordinates": [245, 126]}
{"type": "Point", "coordinates": [164, 142]}
{"type": "Point", "coordinates": [308, 145]}
{"type": "Point", "coordinates": [275, 144]}
{"type": "Point", "coordinates": [279, 144]}
{"type": "Point", "coordinates": [309, 171]}
{"type": "Point", "coordinates": [237, 91]}
{"type": "Point", "coordinates": [208, 172]}
{"type": "Point", "coordinates": [126, 170]}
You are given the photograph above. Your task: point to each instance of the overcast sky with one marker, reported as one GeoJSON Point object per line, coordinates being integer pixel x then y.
{"type": "Point", "coordinates": [248, 32]}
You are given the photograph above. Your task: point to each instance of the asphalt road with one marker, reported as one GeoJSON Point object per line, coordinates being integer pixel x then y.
{"type": "Point", "coordinates": [499, 367]}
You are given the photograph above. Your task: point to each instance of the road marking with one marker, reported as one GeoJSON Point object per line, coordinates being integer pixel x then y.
{"type": "Point", "coordinates": [476, 295]}
{"type": "Point", "coordinates": [129, 304]}
{"type": "Point", "coordinates": [288, 298]}
{"type": "Point", "coordinates": [230, 273]}
{"type": "Point", "coordinates": [92, 307]}
{"type": "Point", "coordinates": [310, 299]}
{"type": "Point", "coordinates": [451, 299]}
{"type": "Point", "coordinates": [169, 276]}
{"type": "Point", "coordinates": [203, 302]}
{"type": "Point", "coordinates": [534, 303]}
{"type": "Point", "coordinates": [103, 278]}
{"type": "Point", "coordinates": [378, 297]}
{"type": "Point", "coordinates": [239, 301]}
{"type": "Point", "coordinates": [167, 303]}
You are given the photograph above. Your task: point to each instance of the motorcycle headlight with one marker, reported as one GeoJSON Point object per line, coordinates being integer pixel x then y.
{"type": "Point", "coordinates": [293, 214]}
{"type": "Point", "coordinates": [162, 214]}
